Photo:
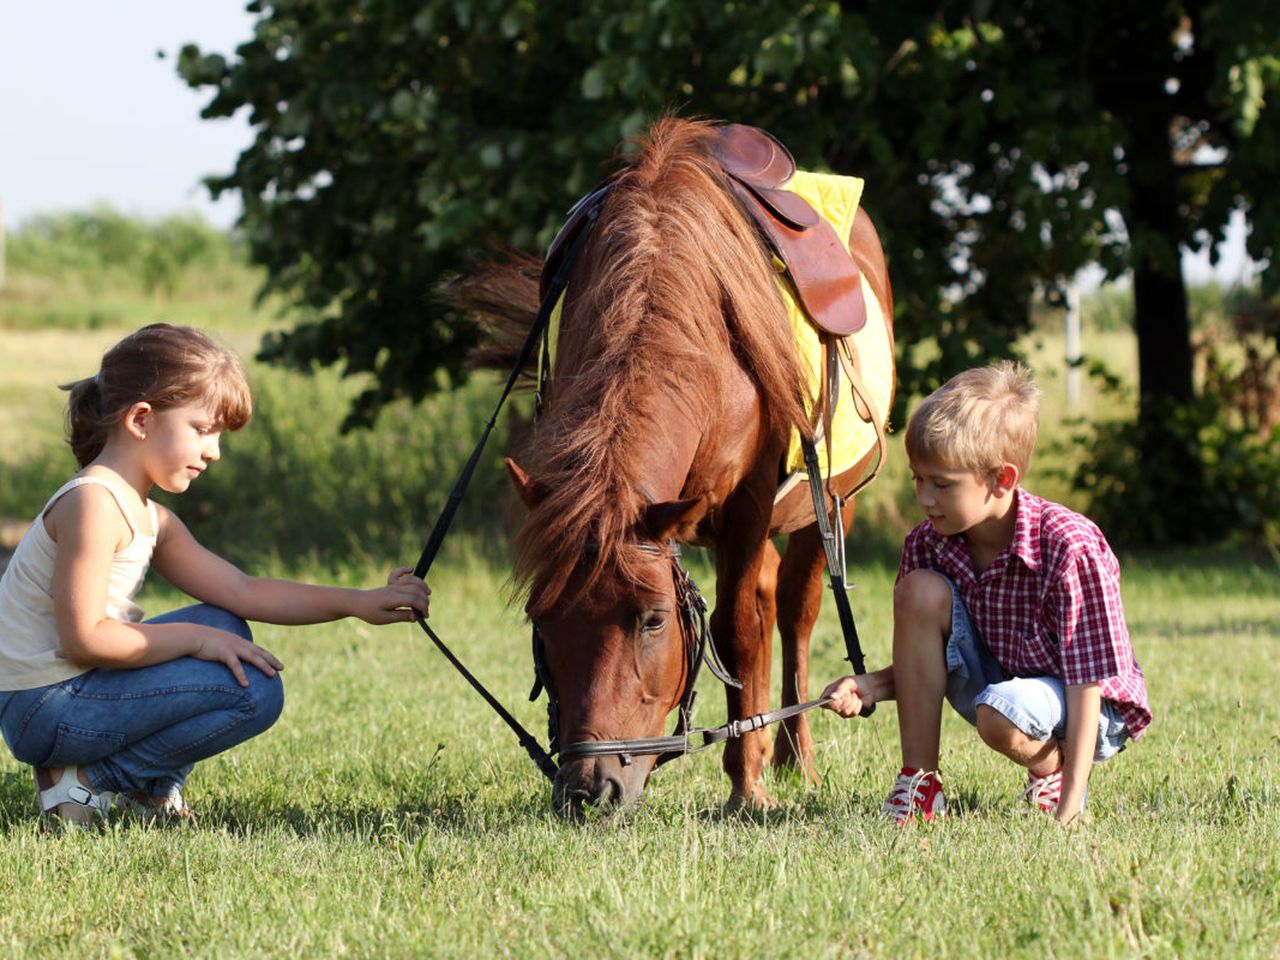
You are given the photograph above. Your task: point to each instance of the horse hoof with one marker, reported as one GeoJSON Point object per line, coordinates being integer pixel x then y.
{"type": "Point", "coordinates": [757, 801]}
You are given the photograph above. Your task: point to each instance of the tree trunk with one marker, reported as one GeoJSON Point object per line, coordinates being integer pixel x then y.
{"type": "Point", "coordinates": [1160, 315]}
{"type": "Point", "coordinates": [1168, 454]}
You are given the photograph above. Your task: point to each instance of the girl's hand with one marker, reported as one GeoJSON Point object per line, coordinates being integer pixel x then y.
{"type": "Point", "coordinates": [233, 650]}
{"type": "Point", "coordinates": [402, 597]}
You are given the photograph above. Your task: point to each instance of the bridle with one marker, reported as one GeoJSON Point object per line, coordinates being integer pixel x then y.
{"type": "Point", "coordinates": [698, 648]}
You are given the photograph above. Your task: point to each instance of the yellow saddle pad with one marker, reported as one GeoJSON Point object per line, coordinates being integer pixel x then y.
{"type": "Point", "coordinates": [836, 199]}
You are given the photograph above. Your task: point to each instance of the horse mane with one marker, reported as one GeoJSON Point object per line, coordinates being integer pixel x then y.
{"type": "Point", "coordinates": [673, 287]}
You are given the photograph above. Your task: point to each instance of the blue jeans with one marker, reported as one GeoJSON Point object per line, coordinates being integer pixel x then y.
{"type": "Point", "coordinates": [143, 729]}
{"type": "Point", "coordinates": [1035, 705]}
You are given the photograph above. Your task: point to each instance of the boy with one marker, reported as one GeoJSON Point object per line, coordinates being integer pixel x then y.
{"type": "Point", "coordinates": [1006, 604]}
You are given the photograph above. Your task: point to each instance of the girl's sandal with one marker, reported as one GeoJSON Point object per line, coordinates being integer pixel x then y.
{"type": "Point", "coordinates": [67, 800]}
{"type": "Point", "coordinates": [170, 808]}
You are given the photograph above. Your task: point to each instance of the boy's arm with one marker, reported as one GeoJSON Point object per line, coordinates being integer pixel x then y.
{"type": "Point", "coordinates": [849, 695]}
{"type": "Point", "coordinates": [1084, 703]}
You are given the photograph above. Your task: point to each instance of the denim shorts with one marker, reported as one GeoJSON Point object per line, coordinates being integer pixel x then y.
{"type": "Point", "coordinates": [1035, 705]}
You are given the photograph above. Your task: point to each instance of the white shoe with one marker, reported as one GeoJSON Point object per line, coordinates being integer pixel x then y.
{"type": "Point", "coordinates": [69, 800]}
{"type": "Point", "coordinates": [172, 807]}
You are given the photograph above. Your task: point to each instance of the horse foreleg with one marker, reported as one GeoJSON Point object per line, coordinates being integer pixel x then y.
{"type": "Point", "coordinates": [800, 588]}
{"type": "Point", "coordinates": [767, 609]}
{"type": "Point", "coordinates": [742, 627]}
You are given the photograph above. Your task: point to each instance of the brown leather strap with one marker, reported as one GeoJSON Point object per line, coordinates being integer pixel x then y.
{"type": "Point", "coordinates": [573, 225]}
{"type": "Point", "coordinates": [865, 405]}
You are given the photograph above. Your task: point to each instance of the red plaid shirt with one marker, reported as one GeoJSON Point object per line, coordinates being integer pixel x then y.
{"type": "Point", "coordinates": [1049, 604]}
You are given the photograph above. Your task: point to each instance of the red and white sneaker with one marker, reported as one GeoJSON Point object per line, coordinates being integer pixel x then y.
{"type": "Point", "coordinates": [916, 795]}
{"type": "Point", "coordinates": [1044, 792]}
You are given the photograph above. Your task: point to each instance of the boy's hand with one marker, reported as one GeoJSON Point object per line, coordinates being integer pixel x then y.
{"type": "Point", "coordinates": [848, 695]}
{"type": "Point", "coordinates": [397, 602]}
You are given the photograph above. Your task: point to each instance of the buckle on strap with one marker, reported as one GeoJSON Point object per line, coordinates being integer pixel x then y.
{"type": "Point", "coordinates": [80, 794]}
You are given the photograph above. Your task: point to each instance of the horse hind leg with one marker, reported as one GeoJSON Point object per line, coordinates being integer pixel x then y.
{"type": "Point", "coordinates": [799, 601]}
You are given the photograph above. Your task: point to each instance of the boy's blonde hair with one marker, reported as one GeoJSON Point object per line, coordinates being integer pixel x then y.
{"type": "Point", "coordinates": [978, 420]}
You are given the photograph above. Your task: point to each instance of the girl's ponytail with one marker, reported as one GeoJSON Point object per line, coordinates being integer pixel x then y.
{"type": "Point", "coordinates": [86, 427]}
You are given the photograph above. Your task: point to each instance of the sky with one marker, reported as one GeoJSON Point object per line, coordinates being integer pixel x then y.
{"type": "Point", "coordinates": [89, 114]}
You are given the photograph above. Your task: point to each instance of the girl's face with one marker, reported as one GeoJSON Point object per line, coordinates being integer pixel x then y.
{"type": "Point", "coordinates": [180, 444]}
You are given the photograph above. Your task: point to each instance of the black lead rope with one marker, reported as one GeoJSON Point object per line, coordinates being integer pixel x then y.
{"type": "Point", "coordinates": [835, 568]}
{"type": "Point", "coordinates": [530, 743]}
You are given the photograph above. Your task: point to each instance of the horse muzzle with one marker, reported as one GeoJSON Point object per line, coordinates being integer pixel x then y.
{"type": "Point", "coordinates": [597, 785]}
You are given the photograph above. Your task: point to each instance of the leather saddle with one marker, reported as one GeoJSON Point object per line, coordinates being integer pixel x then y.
{"type": "Point", "coordinates": [826, 280]}
{"type": "Point", "coordinates": [757, 166]}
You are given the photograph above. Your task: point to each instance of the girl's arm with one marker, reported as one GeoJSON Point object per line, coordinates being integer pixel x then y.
{"type": "Point", "coordinates": [1084, 704]}
{"type": "Point", "coordinates": [202, 574]}
{"type": "Point", "coordinates": [88, 528]}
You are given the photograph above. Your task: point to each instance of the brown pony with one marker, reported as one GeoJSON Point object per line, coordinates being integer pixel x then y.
{"type": "Point", "coordinates": [674, 391]}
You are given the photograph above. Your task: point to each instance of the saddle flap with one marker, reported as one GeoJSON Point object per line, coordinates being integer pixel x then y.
{"type": "Point", "coordinates": [752, 155]}
{"type": "Point", "coordinates": [784, 205]}
{"type": "Point", "coordinates": [826, 280]}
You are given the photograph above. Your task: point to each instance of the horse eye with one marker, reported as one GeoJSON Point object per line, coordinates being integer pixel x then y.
{"type": "Point", "coordinates": [653, 622]}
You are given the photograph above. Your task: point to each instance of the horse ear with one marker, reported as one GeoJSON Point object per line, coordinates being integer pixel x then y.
{"type": "Point", "coordinates": [663, 521]}
{"type": "Point", "coordinates": [530, 491]}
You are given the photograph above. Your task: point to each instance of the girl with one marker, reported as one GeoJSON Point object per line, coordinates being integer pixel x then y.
{"type": "Point", "coordinates": [97, 700]}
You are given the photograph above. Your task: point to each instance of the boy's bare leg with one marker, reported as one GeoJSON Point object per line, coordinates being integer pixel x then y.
{"type": "Point", "coordinates": [1041, 757]}
{"type": "Point", "coordinates": [921, 627]}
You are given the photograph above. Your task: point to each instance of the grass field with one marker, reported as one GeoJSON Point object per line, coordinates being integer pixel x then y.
{"type": "Point", "coordinates": [389, 814]}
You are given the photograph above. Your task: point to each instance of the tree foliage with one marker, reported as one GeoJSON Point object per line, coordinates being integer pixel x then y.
{"type": "Point", "coordinates": [1005, 143]}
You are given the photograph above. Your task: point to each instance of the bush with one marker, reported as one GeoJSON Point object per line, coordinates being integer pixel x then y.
{"type": "Point", "coordinates": [103, 249]}
{"type": "Point", "coordinates": [1234, 491]}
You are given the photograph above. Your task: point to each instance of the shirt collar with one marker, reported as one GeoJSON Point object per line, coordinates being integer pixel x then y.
{"type": "Point", "coordinates": [1026, 528]}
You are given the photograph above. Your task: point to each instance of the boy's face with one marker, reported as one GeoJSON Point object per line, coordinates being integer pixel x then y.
{"type": "Point", "coordinates": [956, 501]}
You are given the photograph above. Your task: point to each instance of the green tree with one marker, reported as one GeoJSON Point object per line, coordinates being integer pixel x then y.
{"type": "Point", "coordinates": [1005, 143]}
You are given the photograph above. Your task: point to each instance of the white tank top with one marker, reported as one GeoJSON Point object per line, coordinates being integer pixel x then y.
{"type": "Point", "coordinates": [28, 628]}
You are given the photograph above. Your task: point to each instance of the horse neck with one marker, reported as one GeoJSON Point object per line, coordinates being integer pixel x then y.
{"type": "Point", "coordinates": [661, 463]}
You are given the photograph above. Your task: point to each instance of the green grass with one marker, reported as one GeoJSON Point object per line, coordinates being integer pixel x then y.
{"type": "Point", "coordinates": [389, 813]}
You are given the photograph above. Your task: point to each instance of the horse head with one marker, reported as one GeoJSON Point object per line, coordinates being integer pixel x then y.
{"type": "Point", "coordinates": [615, 652]}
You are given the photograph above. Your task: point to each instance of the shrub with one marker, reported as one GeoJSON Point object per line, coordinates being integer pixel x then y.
{"type": "Point", "coordinates": [1235, 491]}
{"type": "Point", "coordinates": [291, 487]}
